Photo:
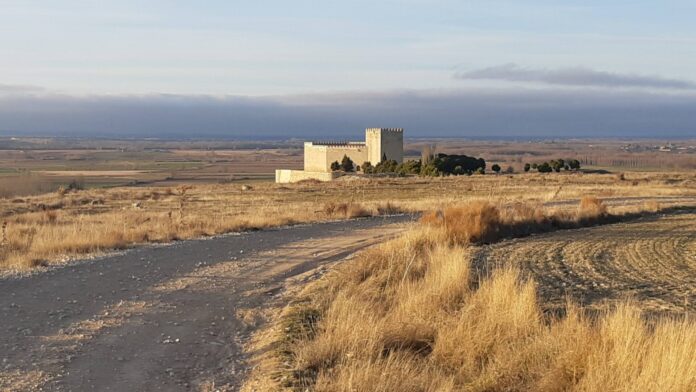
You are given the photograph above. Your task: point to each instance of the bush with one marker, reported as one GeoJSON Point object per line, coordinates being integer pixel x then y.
{"type": "Point", "coordinates": [345, 210]}
{"type": "Point", "coordinates": [335, 166]}
{"type": "Point", "coordinates": [527, 166]}
{"type": "Point", "coordinates": [409, 167]}
{"type": "Point", "coordinates": [387, 166]}
{"type": "Point", "coordinates": [495, 168]}
{"type": "Point", "coordinates": [367, 167]}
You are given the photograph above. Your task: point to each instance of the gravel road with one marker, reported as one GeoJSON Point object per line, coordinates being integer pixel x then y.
{"type": "Point", "coordinates": [160, 318]}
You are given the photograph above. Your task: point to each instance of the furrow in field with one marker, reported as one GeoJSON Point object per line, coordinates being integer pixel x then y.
{"type": "Point", "coordinates": [652, 261]}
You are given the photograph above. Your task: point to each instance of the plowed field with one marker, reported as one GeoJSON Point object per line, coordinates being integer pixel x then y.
{"type": "Point", "coordinates": [651, 260]}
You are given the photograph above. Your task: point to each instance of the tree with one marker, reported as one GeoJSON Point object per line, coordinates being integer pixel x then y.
{"type": "Point", "coordinates": [535, 166]}
{"type": "Point", "coordinates": [495, 168]}
{"type": "Point", "coordinates": [335, 166]}
{"type": "Point", "coordinates": [574, 164]}
{"type": "Point", "coordinates": [347, 164]}
{"type": "Point", "coordinates": [544, 168]}
{"type": "Point", "coordinates": [367, 167]}
{"type": "Point", "coordinates": [527, 166]}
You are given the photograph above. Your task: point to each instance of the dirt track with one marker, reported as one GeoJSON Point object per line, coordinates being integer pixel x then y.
{"type": "Point", "coordinates": [651, 260]}
{"type": "Point", "coordinates": [169, 318]}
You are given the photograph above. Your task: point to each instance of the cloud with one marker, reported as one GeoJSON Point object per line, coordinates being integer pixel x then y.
{"type": "Point", "coordinates": [520, 113]}
{"type": "Point", "coordinates": [19, 89]}
{"type": "Point", "coordinates": [577, 76]}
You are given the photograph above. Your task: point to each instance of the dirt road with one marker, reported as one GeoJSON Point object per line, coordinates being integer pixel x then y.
{"type": "Point", "coordinates": [167, 318]}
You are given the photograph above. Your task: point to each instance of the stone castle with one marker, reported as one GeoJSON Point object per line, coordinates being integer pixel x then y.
{"type": "Point", "coordinates": [379, 144]}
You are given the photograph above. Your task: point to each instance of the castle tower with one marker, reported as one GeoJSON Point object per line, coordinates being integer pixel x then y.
{"type": "Point", "coordinates": [384, 142]}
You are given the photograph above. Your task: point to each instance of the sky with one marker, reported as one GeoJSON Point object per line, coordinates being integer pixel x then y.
{"type": "Point", "coordinates": [322, 68]}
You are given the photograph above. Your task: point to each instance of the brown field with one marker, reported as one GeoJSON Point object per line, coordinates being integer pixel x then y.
{"type": "Point", "coordinates": [30, 166]}
{"type": "Point", "coordinates": [56, 227]}
{"type": "Point", "coordinates": [651, 260]}
{"type": "Point", "coordinates": [426, 312]}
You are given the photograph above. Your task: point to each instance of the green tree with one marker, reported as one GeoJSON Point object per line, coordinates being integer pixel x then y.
{"type": "Point", "coordinates": [367, 167]}
{"type": "Point", "coordinates": [347, 164]}
{"type": "Point", "coordinates": [335, 166]}
{"type": "Point", "coordinates": [544, 168]}
{"type": "Point", "coordinates": [527, 166]}
{"type": "Point", "coordinates": [495, 168]}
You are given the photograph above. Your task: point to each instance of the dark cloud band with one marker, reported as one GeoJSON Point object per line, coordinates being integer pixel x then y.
{"type": "Point", "coordinates": [577, 76]}
{"type": "Point", "coordinates": [492, 113]}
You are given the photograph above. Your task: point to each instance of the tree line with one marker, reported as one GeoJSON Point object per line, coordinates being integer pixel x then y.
{"type": "Point", "coordinates": [436, 165]}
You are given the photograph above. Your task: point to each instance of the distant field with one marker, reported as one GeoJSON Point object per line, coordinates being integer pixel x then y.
{"type": "Point", "coordinates": [52, 227]}
{"type": "Point", "coordinates": [34, 166]}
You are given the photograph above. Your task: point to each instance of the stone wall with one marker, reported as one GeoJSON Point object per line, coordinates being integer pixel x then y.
{"type": "Point", "coordinates": [283, 176]}
{"type": "Point", "coordinates": [318, 157]}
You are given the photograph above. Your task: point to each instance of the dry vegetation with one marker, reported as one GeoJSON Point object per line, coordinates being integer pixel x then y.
{"type": "Point", "coordinates": [412, 315]}
{"type": "Point", "coordinates": [54, 227]}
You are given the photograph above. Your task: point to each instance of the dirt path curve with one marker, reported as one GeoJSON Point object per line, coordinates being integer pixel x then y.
{"type": "Point", "coordinates": [160, 318]}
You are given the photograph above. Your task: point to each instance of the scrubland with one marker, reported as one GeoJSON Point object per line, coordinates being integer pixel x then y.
{"type": "Point", "coordinates": [418, 314]}
{"type": "Point", "coordinates": [54, 227]}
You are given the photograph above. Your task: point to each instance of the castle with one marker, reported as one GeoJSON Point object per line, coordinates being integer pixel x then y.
{"type": "Point", "coordinates": [379, 144]}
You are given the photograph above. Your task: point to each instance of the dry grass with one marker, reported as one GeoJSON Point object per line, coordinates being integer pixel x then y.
{"type": "Point", "coordinates": [482, 222]}
{"type": "Point", "coordinates": [411, 315]}
{"type": "Point", "coordinates": [54, 227]}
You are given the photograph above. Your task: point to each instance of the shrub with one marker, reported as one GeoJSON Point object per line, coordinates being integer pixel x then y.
{"type": "Point", "coordinates": [386, 166]}
{"type": "Point", "coordinates": [345, 210]}
{"type": "Point", "coordinates": [476, 222]}
{"type": "Point", "coordinates": [409, 167]}
{"type": "Point", "coordinates": [495, 168]}
{"type": "Point", "coordinates": [367, 167]}
{"type": "Point", "coordinates": [527, 166]}
{"type": "Point", "coordinates": [591, 207]}
{"type": "Point", "coordinates": [389, 209]}
{"type": "Point", "coordinates": [335, 166]}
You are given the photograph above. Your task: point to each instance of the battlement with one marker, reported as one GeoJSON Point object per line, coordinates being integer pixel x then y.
{"type": "Point", "coordinates": [384, 130]}
{"type": "Point", "coordinates": [337, 144]}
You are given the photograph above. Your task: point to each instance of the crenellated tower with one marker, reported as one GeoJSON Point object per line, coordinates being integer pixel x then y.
{"type": "Point", "coordinates": [384, 143]}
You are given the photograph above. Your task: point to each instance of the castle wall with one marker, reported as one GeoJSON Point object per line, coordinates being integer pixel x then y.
{"type": "Point", "coordinates": [288, 176]}
{"type": "Point", "coordinates": [318, 158]}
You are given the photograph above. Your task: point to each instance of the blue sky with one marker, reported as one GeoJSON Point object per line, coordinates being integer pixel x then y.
{"type": "Point", "coordinates": [282, 51]}
{"type": "Point", "coordinates": [281, 47]}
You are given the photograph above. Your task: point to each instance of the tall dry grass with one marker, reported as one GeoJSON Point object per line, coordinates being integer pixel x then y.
{"type": "Point", "coordinates": [411, 315]}
{"type": "Point", "coordinates": [483, 222]}
{"type": "Point", "coordinates": [41, 231]}
{"type": "Point", "coordinates": [95, 220]}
